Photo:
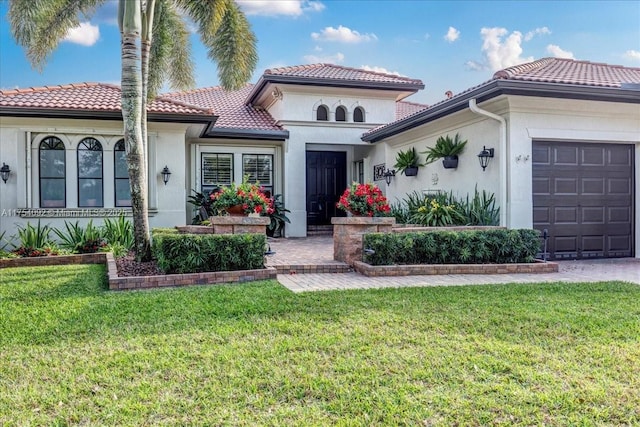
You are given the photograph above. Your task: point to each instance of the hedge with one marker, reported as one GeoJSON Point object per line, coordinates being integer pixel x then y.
{"type": "Point", "coordinates": [499, 246]}
{"type": "Point", "coordinates": [196, 253]}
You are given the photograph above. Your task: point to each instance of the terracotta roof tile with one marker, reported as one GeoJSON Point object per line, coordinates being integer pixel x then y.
{"type": "Point", "coordinates": [337, 72]}
{"type": "Point", "coordinates": [87, 97]}
{"type": "Point", "coordinates": [404, 109]}
{"type": "Point", "coordinates": [569, 71]}
{"type": "Point", "coordinates": [229, 107]}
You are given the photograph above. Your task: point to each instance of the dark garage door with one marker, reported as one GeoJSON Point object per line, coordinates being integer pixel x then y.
{"type": "Point", "coordinates": [583, 195]}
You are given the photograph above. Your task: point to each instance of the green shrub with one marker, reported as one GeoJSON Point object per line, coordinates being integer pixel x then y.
{"type": "Point", "coordinates": [194, 253]}
{"type": "Point", "coordinates": [118, 232]}
{"type": "Point", "coordinates": [80, 240]}
{"type": "Point", "coordinates": [35, 241]}
{"type": "Point", "coordinates": [497, 246]}
{"type": "Point", "coordinates": [481, 210]}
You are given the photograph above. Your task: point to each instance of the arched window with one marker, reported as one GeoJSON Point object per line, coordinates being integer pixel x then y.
{"type": "Point", "coordinates": [121, 175]}
{"type": "Point", "coordinates": [52, 173]}
{"type": "Point", "coordinates": [322, 113]}
{"type": "Point", "coordinates": [358, 115]}
{"type": "Point", "coordinates": [341, 114]}
{"type": "Point", "coordinates": [90, 173]}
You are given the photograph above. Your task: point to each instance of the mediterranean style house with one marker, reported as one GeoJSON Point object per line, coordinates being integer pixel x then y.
{"type": "Point", "coordinates": [564, 136]}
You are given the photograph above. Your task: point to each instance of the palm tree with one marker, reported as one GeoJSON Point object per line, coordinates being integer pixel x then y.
{"type": "Point", "coordinates": [155, 49]}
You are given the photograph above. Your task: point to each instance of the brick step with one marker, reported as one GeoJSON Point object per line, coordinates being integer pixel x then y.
{"type": "Point", "coordinates": [320, 230]}
{"type": "Point", "coordinates": [313, 268]}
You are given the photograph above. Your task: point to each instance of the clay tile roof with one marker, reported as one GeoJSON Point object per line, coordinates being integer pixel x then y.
{"type": "Point", "coordinates": [96, 97]}
{"type": "Point", "coordinates": [404, 109]}
{"type": "Point", "coordinates": [337, 72]}
{"type": "Point", "coordinates": [229, 107]}
{"type": "Point", "coordinates": [569, 71]}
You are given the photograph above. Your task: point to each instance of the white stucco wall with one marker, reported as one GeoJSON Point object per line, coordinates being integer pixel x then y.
{"type": "Point", "coordinates": [166, 147]}
{"type": "Point", "coordinates": [527, 119]}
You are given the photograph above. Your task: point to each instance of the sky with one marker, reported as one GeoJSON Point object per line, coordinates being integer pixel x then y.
{"type": "Point", "coordinates": [449, 45]}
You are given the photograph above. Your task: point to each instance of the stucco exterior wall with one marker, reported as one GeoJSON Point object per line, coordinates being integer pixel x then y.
{"type": "Point", "coordinates": [19, 197]}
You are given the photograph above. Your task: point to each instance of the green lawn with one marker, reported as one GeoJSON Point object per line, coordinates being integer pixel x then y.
{"type": "Point", "coordinates": [256, 354]}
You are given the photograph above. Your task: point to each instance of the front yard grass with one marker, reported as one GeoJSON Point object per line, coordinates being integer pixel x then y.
{"type": "Point", "coordinates": [256, 354]}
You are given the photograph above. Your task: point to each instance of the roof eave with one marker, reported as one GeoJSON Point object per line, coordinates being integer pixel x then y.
{"type": "Point", "coordinates": [103, 115]}
{"type": "Point", "coordinates": [235, 133]}
{"type": "Point", "coordinates": [306, 81]}
{"type": "Point", "coordinates": [496, 88]}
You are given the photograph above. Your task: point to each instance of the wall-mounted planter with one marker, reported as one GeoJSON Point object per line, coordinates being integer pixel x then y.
{"type": "Point", "coordinates": [450, 162]}
{"type": "Point", "coordinates": [411, 171]}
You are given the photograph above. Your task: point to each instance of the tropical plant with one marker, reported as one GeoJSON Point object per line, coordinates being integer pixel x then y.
{"type": "Point", "coordinates": [154, 48]}
{"type": "Point", "coordinates": [277, 215]}
{"type": "Point", "coordinates": [445, 147]}
{"type": "Point", "coordinates": [438, 214]}
{"type": "Point", "coordinates": [35, 241]}
{"type": "Point", "coordinates": [80, 240]}
{"type": "Point", "coordinates": [118, 232]}
{"type": "Point", "coordinates": [200, 201]}
{"type": "Point", "coordinates": [481, 209]}
{"type": "Point", "coordinates": [364, 200]}
{"type": "Point", "coordinates": [407, 159]}
{"type": "Point", "coordinates": [246, 195]}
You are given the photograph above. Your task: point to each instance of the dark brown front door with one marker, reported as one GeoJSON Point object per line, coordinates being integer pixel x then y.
{"type": "Point", "coordinates": [583, 196]}
{"type": "Point", "coordinates": [326, 180]}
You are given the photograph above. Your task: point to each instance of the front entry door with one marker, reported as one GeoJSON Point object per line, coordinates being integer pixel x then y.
{"type": "Point", "coordinates": [326, 180]}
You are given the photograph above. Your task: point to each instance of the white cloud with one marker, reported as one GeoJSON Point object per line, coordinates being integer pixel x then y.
{"type": "Point", "coordinates": [427, 36]}
{"type": "Point", "coordinates": [632, 54]}
{"type": "Point", "coordinates": [557, 52]}
{"type": "Point", "coordinates": [343, 35]}
{"type": "Point", "coordinates": [474, 66]}
{"type": "Point", "coordinates": [85, 34]}
{"type": "Point", "coordinates": [376, 69]}
{"type": "Point", "coordinates": [502, 53]}
{"type": "Point", "coordinates": [279, 7]}
{"type": "Point", "coordinates": [452, 35]}
{"type": "Point", "coordinates": [327, 59]}
{"type": "Point", "coordinates": [536, 32]}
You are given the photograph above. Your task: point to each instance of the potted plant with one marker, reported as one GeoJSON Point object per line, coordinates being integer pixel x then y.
{"type": "Point", "coordinates": [408, 162]}
{"type": "Point", "coordinates": [364, 200]}
{"type": "Point", "coordinates": [240, 199]}
{"type": "Point", "coordinates": [446, 149]}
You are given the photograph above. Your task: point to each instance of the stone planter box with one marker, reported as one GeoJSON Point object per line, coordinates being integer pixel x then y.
{"type": "Point", "coordinates": [195, 229]}
{"type": "Point", "coordinates": [239, 224]}
{"type": "Point", "coordinates": [348, 232]}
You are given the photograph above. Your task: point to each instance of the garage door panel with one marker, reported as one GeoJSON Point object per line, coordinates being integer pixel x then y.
{"type": "Point", "coordinates": [593, 156]}
{"type": "Point", "coordinates": [565, 156]}
{"type": "Point", "coordinates": [584, 196]}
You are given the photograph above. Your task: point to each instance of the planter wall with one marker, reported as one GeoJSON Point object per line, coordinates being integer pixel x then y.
{"type": "Point", "coordinates": [348, 232]}
{"type": "Point", "coordinates": [239, 224]}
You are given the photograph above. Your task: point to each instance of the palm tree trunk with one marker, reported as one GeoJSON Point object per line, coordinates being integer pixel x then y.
{"type": "Point", "coordinates": [132, 116]}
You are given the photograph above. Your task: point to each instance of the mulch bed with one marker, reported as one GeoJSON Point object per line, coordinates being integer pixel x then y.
{"type": "Point", "coordinates": [128, 266]}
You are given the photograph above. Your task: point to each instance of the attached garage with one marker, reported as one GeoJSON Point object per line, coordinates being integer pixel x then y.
{"type": "Point", "coordinates": [583, 195]}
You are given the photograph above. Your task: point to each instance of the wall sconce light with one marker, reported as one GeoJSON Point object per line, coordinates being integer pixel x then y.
{"type": "Point", "coordinates": [388, 175]}
{"type": "Point", "coordinates": [484, 156]}
{"type": "Point", "coordinates": [5, 172]}
{"type": "Point", "coordinates": [166, 174]}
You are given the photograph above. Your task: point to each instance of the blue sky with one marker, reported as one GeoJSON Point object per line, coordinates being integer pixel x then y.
{"type": "Point", "coordinates": [449, 45]}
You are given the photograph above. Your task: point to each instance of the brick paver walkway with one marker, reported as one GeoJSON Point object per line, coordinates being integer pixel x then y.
{"type": "Point", "coordinates": [294, 257]}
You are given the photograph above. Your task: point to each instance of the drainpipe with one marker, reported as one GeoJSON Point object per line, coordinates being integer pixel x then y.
{"type": "Point", "coordinates": [504, 181]}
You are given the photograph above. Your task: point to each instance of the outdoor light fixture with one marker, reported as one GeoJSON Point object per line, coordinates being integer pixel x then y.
{"type": "Point", "coordinates": [5, 172]}
{"type": "Point", "coordinates": [166, 174]}
{"type": "Point", "coordinates": [484, 156]}
{"type": "Point", "coordinates": [388, 175]}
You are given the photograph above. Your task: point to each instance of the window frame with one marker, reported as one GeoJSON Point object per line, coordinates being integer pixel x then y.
{"type": "Point", "coordinates": [270, 187]}
{"type": "Point", "coordinates": [326, 113]}
{"type": "Point", "coordinates": [356, 111]}
{"type": "Point", "coordinates": [342, 110]}
{"type": "Point", "coordinates": [116, 178]}
{"type": "Point", "coordinates": [58, 143]}
{"type": "Point", "coordinates": [213, 187]}
{"type": "Point", "coordinates": [94, 142]}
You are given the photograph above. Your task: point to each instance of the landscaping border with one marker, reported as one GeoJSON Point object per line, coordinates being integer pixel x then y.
{"type": "Point", "coordinates": [434, 269]}
{"type": "Point", "coordinates": [170, 280]}
{"type": "Point", "coordinates": [143, 282]}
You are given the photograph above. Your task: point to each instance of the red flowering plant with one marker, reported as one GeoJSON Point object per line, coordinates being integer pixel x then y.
{"type": "Point", "coordinates": [364, 200]}
{"type": "Point", "coordinates": [249, 197]}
